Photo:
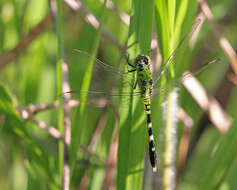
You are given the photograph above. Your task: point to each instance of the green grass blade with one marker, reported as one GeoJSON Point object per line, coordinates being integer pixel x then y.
{"type": "Point", "coordinates": [169, 20]}
{"type": "Point", "coordinates": [132, 128]}
{"type": "Point", "coordinates": [59, 84]}
{"type": "Point", "coordinates": [162, 27]}
{"type": "Point", "coordinates": [221, 160]}
{"type": "Point", "coordinates": [171, 13]}
{"type": "Point", "coordinates": [81, 132]}
{"type": "Point", "coordinates": [180, 19]}
{"type": "Point", "coordinates": [14, 124]}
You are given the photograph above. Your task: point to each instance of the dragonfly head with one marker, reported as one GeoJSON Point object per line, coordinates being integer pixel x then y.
{"type": "Point", "coordinates": [143, 61]}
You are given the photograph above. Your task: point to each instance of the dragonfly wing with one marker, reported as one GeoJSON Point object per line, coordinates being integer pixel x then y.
{"type": "Point", "coordinates": [103, 76]}
{"type": "Point", "coordinates": [105, 82]}
{"type": "Point", "coordinates": [99, 63]}
{"type": "Point", "coordinates": [186, 76]}
{"type": "Point", "coordinates": [102, 99]}
{"type": "Point", "coordinates": [176, 56]}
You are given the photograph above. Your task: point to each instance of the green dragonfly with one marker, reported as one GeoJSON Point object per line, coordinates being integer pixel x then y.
{"type": "Point", "coordinates": [145, 83]}
{"type": "Point", "coordinates": [144, 86]}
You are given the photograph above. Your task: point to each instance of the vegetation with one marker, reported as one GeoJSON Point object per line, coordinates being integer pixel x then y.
{"type": "Point", "coordinates": [55, 140]}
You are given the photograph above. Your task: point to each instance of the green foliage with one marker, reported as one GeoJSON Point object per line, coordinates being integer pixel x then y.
{"type": "Point", "coordinates": [32, 159]}
{"type": "Point", "coordinates": [131, 151]}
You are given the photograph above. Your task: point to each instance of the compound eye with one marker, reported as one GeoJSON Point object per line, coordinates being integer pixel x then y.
{"type": "Point", "coordinates": [146, 60]}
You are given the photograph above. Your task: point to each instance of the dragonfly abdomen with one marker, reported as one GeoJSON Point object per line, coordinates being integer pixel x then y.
{"type": "Point", "coordinates": [152, 148]}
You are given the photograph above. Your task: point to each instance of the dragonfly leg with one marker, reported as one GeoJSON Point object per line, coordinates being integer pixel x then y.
{"type": "Point", "coordinates": [135, 85]}
{"type": "Point", "coordinates": [129, 71]}
{"type": "Point", "coordinates": [128, 63]}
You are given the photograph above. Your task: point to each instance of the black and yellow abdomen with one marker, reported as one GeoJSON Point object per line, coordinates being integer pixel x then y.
{"type": "Point", "coordinates": [152, 147]}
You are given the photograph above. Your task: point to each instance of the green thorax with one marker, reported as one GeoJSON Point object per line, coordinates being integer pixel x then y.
{"type": "Point", "coordinates": [144, 76]}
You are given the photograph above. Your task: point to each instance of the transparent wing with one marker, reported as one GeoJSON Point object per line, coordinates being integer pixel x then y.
{"type": "Point", "coordinates": [103, 74]}
{"type": "Point", "coordinates": [185, 76]}
{"type": "Point", "coordinates": [106, 81]}
{"type": "Point", "coordinates": [101, 64]}
{"type": "Point", "coordinates": [101, 99]}
{"type": "Point", "coordinates": [177, 55]}
{"type": "Point", "coordinates": [113, 94]}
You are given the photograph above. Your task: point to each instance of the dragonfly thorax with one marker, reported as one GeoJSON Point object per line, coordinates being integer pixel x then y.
{"type": "Point", "coordinates": [144, 76]}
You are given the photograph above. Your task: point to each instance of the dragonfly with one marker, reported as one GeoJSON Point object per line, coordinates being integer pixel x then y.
{"type": "Point", "coordinates": [144, 85]}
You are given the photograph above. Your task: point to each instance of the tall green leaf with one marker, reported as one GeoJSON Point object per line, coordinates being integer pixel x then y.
{"type": "Point", "coordinates": [132, 132]}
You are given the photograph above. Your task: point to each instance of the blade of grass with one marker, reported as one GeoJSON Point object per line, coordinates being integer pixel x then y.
{"type": "Point", "coordinates": [171, 14]}
{"type": "Point", "coordinates": [180, 19]}
{"type": "Point", "coordinates": [165, 36]}
{"type": "Point", "coordinates": [59, 87]}
{"type": "Point", "coordinates": [162, 23]}
{"type": "Point", "coordinates": [14, 124]}
{"type": "Point", "coordinates": [221, 161]}
{"type": "Point", "coordinates": [132, 128]}
{"type": "Point", "coordinates": [79, 131]}
{"type": "Point", "coordinates": [169, 20]}
{"type": "Point", "coordinates": [169, 174]}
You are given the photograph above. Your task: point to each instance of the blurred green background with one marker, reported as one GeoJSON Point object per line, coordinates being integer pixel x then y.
{"type": "Point", "coordinates": [29, 155]}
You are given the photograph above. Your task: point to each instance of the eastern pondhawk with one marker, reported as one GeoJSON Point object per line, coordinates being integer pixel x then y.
{"type": "Point", "coordinates": [144, 85]}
